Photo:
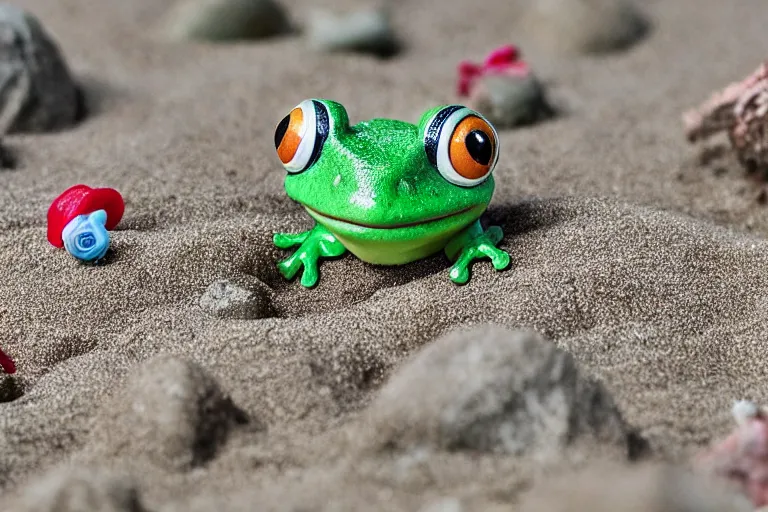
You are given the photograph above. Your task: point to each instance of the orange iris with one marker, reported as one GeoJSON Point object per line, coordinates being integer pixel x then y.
{"type": "Point", "coordinates": [472, 148]}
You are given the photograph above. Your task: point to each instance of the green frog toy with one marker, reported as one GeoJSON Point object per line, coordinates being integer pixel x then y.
{"type": "Point", "coordinates": [388, 191]}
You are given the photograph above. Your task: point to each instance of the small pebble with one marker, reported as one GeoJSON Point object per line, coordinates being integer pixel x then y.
{"type": "Point", "coordinates": [225, 20]}
{"type": "Point", "coordinates": [510, 101]}
{"type": "Point", "coordinates": [223, 299]}
{"type": "Point", "coordinates": [10, 388]}
{"type": "Point", "coordinates": [37, 92]}
{"type": "Point", "coordinates": [584, 26]}
{"type": "Point", "coordinates": [363, 31]}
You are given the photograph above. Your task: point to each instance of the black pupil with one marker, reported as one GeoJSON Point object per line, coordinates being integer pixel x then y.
{"type": "Point", "coordinates": [281, 129]}
{"type": "Point", "coordinates": [479, 147]}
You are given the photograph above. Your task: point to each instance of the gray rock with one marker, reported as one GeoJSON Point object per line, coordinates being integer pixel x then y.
{"type": "Point", "coordinates": [492, 390]}
{"type": "Point", "coordinates": [37, 92]}
{"type": "Point", "coordinates": [170, 412]}
{"type": "Point", "coordinates": [224, 299]}
{"type": "Point", "coordinates": [510, 101]}
{"type": "Point", "coordinates": [225, 20]}
{"type": "Point", "coordinates": [10, 388]}
{"type": "Point", "coordinates": [364, 31]}
{"type": "Point", "coordinates": [76, 489]}
{"type": "Point", "coordinates": [584, 26]}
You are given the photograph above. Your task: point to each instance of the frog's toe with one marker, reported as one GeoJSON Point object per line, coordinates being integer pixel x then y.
{"type": "Point", "coordinates": [285, 241]}
{"type": "Point", "coordinates": [459, 274]}
{"type": "Point", "coordinates": [310, 276]}
{"type": "Point", "coordinates": [500, 259]}
{"type": "Point", "coordinates": [289, 266]}
{"type": "Point", "coordinates": [285, 270]}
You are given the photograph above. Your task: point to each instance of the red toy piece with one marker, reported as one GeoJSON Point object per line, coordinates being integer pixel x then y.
{"type": "Point", "coordinates": [504, 60]}
{"type": "Point", "coordinates": [82, 200]}
{"type": "Point", "coordinates": [6, 363]}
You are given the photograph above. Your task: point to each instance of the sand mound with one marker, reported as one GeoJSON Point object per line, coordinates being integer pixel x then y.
{"type": "Point", "coordinates": [76, 489]}
{"type": "Point", "coordinates": [607, 282]}
{"type": "Point", "coordinates": [648, 488]}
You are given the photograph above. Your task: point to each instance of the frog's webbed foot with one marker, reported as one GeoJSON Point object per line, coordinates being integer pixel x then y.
{"type": "Point", "coordinates": [472, 244]}
{"type": "Point", "coordinates": [314, 244]}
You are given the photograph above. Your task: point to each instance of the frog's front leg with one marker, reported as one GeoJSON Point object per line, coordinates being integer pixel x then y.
{"type": "Point", "coordinates": [474, 243]}
{"type": "Point", "coordinates": [314, 244]}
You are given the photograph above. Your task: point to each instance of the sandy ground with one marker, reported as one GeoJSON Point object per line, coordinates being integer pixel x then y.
{"type": "Point", "coordinates": [650, 270]}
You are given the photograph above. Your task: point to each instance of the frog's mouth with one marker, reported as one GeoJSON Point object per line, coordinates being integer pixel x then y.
{"type": "Point", "coordinates": [391, 226]}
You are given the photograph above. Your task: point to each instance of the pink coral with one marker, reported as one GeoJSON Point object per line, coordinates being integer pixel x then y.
{"type": "Point", "coordinates": [741, 109]}
{"type": "Point", "coordinates": [504, 60]}
{"type": "Point", "coordinates": [742, 457]}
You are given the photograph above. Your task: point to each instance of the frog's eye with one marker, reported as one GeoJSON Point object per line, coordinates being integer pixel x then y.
{"type": "Point", "coordinates": [462, 145]}
{"type": "Point", "coordinates": [300, 136]}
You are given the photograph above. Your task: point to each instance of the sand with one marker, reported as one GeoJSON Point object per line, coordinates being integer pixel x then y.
{"type": "Point", "coordinates": [647, 268]}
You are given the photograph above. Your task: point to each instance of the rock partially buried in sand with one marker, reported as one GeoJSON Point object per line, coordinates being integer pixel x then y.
{"type": "Point", "coordinates": [80, 489]}
{"type": "Point", "coordinates": [504, 89]}
{"type": "Point", "coordinates": [171, 412]}
{"type": "Point", "coordinates": [508, 103]}
{"type": "Point", "coordinates": [37, 93]}
{"type": "Point", "coordinates": [223, 299]}
{"type": "Point", "coordinates": [363, 31]}
{"type": "Point", "coordinates": [584, 26]}
{"type": "Point", "coordinates": [492, 390]}
{"type": "Point", "coordinates": [225, 20]}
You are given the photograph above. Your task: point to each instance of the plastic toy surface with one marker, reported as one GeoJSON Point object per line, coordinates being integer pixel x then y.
{"type": "Point", "coordinates": [6, 363]}
{"type": "Point", "coordinates": [504, 60]}
{"type": "Point", "coordinates": [388, 191]}
{"type": "Point", "coordinates": [80, 218]}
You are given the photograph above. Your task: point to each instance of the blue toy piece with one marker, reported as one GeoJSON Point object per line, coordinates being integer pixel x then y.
{"type": "Point", "coordinates": [86, 236]}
